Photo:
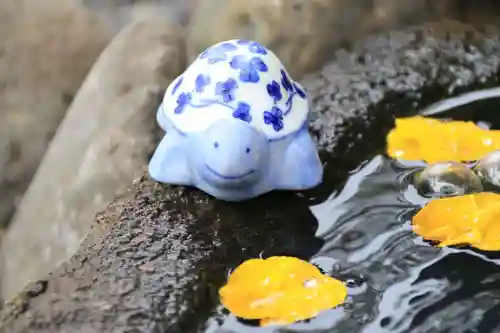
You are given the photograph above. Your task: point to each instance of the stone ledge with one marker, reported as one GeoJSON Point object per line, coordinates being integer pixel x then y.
{"type": "Point", "coordinates": [156, 257]}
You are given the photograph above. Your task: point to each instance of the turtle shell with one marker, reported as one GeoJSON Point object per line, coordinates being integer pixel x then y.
{"type": "Point", "coordinates": [241, 79]}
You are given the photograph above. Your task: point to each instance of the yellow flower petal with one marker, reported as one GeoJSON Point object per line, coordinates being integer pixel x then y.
{"type": "Point", "coordinates": [280, 290]}
{"type": "Point", "coordinates": [432, 140]}
{"type": "Point", "coordinates": [470, 219]}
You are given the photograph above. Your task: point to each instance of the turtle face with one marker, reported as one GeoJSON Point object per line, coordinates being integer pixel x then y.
{"type": "Point", "coordinates": [232, 154]}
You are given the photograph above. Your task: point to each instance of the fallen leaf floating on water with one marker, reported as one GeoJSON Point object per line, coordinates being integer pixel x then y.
{"type": "Point", "coordinates": [280, 290]}
{"type": "Point", "coordinates": [431, 140]}
{"type": "Point", "coordinates": [470, 219]}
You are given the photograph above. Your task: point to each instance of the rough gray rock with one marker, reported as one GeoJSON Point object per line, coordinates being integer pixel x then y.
{"type": "Point", "coordinates": [108, 134]}
{"type": "Point", "coordinates": [438, 59]}
{"type": "Point", "coordinates": [45, 52]}
{"type": "Point", "coordinates": [156, 257]}
{"type": "Point", "coordinates": [162, 240]}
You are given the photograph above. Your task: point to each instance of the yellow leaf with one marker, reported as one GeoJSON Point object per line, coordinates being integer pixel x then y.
{"type": "Point", "coordinates": [280, 290]}
{"type": "Point", "coordinates": [470, 219]}
{"type": "Point", "coordinates": [432, 140]}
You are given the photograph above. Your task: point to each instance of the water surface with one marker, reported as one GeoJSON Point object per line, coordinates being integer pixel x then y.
{"type": "Point", "coordinates": [397, 282]}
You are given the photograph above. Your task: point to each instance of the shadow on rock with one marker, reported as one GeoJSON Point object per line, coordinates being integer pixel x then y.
{"type": "Point", "coordinates": [160, 265]}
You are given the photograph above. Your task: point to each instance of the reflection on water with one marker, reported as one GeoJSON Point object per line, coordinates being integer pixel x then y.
{"type": "Point", "coordinates": [398, 283]}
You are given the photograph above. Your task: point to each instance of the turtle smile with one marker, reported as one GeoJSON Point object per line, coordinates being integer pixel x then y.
{"type": "Point", "coordinates": [249, 172]}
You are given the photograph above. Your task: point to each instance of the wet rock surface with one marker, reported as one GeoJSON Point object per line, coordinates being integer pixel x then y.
{"type": "Point", "coordinates": [159, 263]}
{"type": "Point", "coordinates": [35, 89]}
{"type": "Point", "coordinates": [108, 134]}
{"type": "Point", "coordinates": [432, 61]}
{"type": "Point", "coordinates": [156, 257]}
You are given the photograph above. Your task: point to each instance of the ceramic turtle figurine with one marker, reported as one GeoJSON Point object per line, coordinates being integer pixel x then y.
{"type": "Point", "coordinates": [236, 126]}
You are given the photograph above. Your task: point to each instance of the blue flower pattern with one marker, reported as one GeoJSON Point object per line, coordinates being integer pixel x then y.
{"type": "Point", "coordinates": [253, 47]}
{"type": "Point", "coordinates": [243, 112]}
{"type": "Point", "coordinates": [217, 53]}
{"type": "Point", "coordinates": [299, 91]}
{"type": "Point", "coordinates": [285, 81]}
{"type": "Point", "coordinates": [177, 85]}
{"type": "Point", "coordinates": [274, 118]}
{"type": "Point", "coordinates": [249, 70]}
{"type": "Point", "coordinates": [183, 100]}
{"type": "Point", "coordinates": [201, 82]}
{"type": "Point", "coordinates": [274, 90]}
{"type": "Point", "coordinates": [225, 89]}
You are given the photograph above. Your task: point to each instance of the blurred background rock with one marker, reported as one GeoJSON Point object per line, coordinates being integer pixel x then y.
{"type": "Point", "coordinates": [46, 50]}
{"type": "Point", "coordinates": [48, 47]}
{"type": "Point", "coordinates": [302, 32]}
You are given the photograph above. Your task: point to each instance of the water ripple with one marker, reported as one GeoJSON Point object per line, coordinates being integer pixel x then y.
{"type": "Point", "coordinates": [397, 282]}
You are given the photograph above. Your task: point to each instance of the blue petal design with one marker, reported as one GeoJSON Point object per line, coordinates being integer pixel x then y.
{"type": "Point", "coordinates": [299, 91]}
{"type": "Point", "coordinates": [243, 42]}
{"type": "Point", "coordinates": [226, 89]}
{"type": "Point", "coordinates": [183, 100]}
{"type": "Point", "coordinates": [274, 90]}
{"type": "Point", "coordinates": [249, 69]}
{"type": "Point", "coordinates": [238, 62]}
{"type": "Point", "coordinates": [285, 81]}
{"type": "Point", "coordinates": [243, 112]}
{"type": "Point", "coordinates": [227, 47]}
{"type": "Point", "coordinates": [217, 53]}
{"type": "Point", "coordinates": [259, 64]}
{"type": "Point", "coordinates": [274, 118]}
{"type": "Point", "coordinates": [253, 46]}
{"type": "Point", "coordinates": [257, 48]}
{"type": "Point", "coordinates": [201, 82]}
{"type": "Point", "coordinates": [177, 85]}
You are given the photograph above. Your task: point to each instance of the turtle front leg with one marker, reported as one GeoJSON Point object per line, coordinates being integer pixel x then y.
{"type": "Point", "coordinates": [169, 162]}
{"type": "Point", "coordinates": [301, 167]}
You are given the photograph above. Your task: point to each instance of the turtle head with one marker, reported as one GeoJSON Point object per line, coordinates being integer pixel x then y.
{"type": "Point", "coordinates": [231, 154]}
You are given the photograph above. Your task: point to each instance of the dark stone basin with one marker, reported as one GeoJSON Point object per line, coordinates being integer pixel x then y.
{"type": "Point", "coordinates": [156, 258]}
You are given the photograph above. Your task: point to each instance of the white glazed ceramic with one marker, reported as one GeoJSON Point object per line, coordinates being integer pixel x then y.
{"type": "Point", "coordinates": [236, 126]}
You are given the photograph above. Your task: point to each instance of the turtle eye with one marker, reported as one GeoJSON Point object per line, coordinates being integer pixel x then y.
{"type": "Point", "coordinates": [248, 150]}
{"type": "Point", "coordinates": [216, 144]}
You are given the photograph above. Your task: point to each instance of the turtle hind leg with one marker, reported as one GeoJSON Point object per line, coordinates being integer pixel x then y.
{"type": "Point", "coordinates": [169, 162]}
{"type": "Point", "coordinates": [301, 167]}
